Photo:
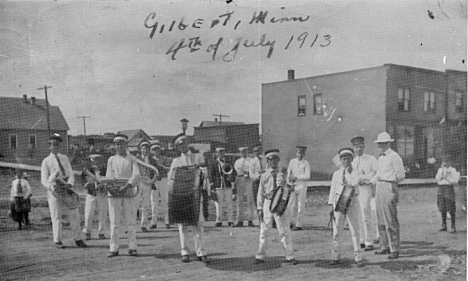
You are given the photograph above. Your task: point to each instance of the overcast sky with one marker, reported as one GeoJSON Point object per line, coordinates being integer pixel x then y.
{"type": "Point", "coordinates": [101, 62]}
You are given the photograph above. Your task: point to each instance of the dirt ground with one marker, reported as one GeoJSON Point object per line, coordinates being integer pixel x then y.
{"type": "Point", "coordinates": [426, 254]}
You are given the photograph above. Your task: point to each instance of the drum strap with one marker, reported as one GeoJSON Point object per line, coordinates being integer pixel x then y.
{"type": "Point", "coordinates": [61, 166]}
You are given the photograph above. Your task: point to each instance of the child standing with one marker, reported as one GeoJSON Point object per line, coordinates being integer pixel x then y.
{"type": "Point", "coordinates": [447, 176]}
{"type": "Point", "coordinates": [20, 193]}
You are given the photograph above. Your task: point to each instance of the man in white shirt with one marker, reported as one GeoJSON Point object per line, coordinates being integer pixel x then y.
{"type": "Point", "coordinates": [347, 177]}
{"type": "Point", "coordinates": [244, 186]}
{"type": "Point", "coordinates": [256, 169]}
{"type": "Point", "coordinates": [188, 159]}
{"type": "Point", "coordinates": [389, 174]}
{"type": "Point", "coordinates": [366, 166]}
{"type": "Point", "coordinates": [56, 167]}
{"type": "Point", "coordinates": [122, 165]}
{"type": "Point", "coordinates": [298, 175]}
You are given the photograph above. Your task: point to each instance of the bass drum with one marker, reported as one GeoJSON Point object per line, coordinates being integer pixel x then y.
{"type": "Point", "coordinates": [184, 196]}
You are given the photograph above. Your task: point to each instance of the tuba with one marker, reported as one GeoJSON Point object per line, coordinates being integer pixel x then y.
{"type": "Point", "coordinates": [228, 171]}
{"type": "Point", "coordinates": [113, 185]}
{"type": "Point", "coordinates": [65, 194]}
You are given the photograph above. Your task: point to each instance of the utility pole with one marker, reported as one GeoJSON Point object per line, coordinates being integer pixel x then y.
{"type": "Point", "coordinates": [47, 106]}
{"type": "Point", "coordinates": [220, 117]}
{"type": "Point", "coordinates": [84, 122]}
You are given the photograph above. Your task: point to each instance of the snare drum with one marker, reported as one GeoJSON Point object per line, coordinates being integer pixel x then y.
{"type": "Point", "coordinates": [184, 196]}
{"type": "Point", "coordinates": [344, 200]}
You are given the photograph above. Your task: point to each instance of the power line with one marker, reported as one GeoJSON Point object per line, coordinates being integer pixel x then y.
{"type": "Point", "coordinates": [47, 106]}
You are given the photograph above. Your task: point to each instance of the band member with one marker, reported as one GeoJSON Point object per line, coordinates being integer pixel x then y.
{"type": "Point", "coordinates": [96, 198]}
{"type": "Point", "coordinates": [256, 169]}
{"type": "Point", "coordinates": [187, 159]}
{"type": "Point", "coordinates": [298, 175]}
{"type": "Point", "coordinates": [20, 194]}
{"type": "Point", "coordinates": [447, 176]}
{"type": "Point", "coordinates": [122, 165]}
{"type": "Point", "coordinates": [244, 186]}
{"type": "Point", "coordinates": [146, 187]}
{"type": "Point", "coordinates": [161, 192]}
{"type": "Point", "coordinates": [222, 183]}
{"type": "Point", "coordinates": [390, 172]}
{"type": "Point", "coordinates": [269, 182]}
{"type": "Point", "coordinates": [366, 166]}
{"type": "Point", "coordinates": [56, 167]}
{"type": "Point", "coordinates": [346, 176]}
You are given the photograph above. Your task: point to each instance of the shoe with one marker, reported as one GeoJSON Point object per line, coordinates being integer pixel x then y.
{"type": "Point", "coordinates": [167, 226]}
{"type": "Point", "coordinates": [144, 229]}
{"type": "Point", "coordinates": [382, 252]}
{"type": "Point", "coordinates": [292, 262]}
{"type": "Point", "coordinates": [393, 255]}
{"type": "Point", "coordinates": [359, 264]}
{"type": "Point", "coordinates": [20, 227]}
{"type": "Point", "coordinates": [334, 262]}
{"type": "Point", "coordinates": [296, 228]}
{"type": "Point", "coordinates": [185, 258]}
{"type": "Point", "coordinates": [444, 228]}
{"type": "Point", "coordinates": [291, 226]}
{"type": "Point", "coordinates": [274, 224]}
{"type": "Point", "coordinates": [363, 245]}
{"type": "Point", "coordinates": [230, 224]}
{"type": "Point", "coordinates": [153, 226]}
{"type": "Point", "coordinates": [453, 230]}
{"type": "Point", "coordinates": [88, 236]}
{"type": "Point", "coordinates": [369, 248]}
{"type": "Point", "coordinates": [377, 241]}
{"type": "Point", "coordinates": [133, 253]}
{"type": "Point", "coordinates": [258, 261]}
{"type": "Point", "coordinates": [112, 254]}
{"type": "Point", "coordinates": [28, 224]}
{"type": "Point", "coordinates": [250, 224]}
{"type": "Point", "coordinates": [80, 244]}
{"type": "Point", "coordinates": [239, 224]}
{"type": "Point", "coordinates": [59, 245]}
{"type": "Point", "coordinates": [203, 259]}
{"type": "Point", "coordinates": [101, 236]}
{"type": "Point", "coordinates": [219, 224]}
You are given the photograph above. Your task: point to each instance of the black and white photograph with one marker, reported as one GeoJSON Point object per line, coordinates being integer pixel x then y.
{"type": "Point", "coordinates": [233, 140]}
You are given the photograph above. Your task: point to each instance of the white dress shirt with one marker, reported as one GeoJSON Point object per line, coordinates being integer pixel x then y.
{"type": "Point", "coordinates": [337, 184]}
{"type": "Point", "coordinates": [299, 169]}
{"type": "Point", "coordinates": [366, 165]}
{"type": "Point", "coordinates": [242, 166]}
{"type": "Point", "coordinates": [256, 166]}
{"type": "Point", "coordinates": [50, 169]}
{"type": "Point", "coordinates": [123, 167]}
{"type": "Point", "coordinates": [26, 188]}
{"type": "Point", "coordinates": [447, 176]}
{"type": "Point", "coordinates": [187, 159]}
{"type": "Point", "coordinates": [391, 168]}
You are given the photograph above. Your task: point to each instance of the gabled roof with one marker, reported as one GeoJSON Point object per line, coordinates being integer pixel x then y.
{"type": "Point", "coordinates": [216, 123]}
{"type": "Point", "coordinates": [134, 138]}
{"type": "Point", "coordinates": [17, 114]}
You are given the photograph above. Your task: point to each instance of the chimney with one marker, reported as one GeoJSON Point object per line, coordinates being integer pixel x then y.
{"type": "Point", "coordinates": [33, 100]}
{"type": "Point", "coordinates": [291, 74]}
{"type": "Point", "coordinates": [25, 98]}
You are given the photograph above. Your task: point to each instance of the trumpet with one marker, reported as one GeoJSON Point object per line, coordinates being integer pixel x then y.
{"type": "Point", "coordinates": [146, 170]}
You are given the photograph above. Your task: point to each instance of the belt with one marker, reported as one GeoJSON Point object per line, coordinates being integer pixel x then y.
{"type": "Point", "coordinates": [388, 181]}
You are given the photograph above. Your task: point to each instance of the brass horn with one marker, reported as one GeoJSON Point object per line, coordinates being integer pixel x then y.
{"type": "Point", "coordinates": [227, 169]}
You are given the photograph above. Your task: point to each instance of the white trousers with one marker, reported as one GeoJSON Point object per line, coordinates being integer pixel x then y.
{"type": "Point", "coordinates": [374, 217]}
{"type": "Point", "coordinates": [161, 194]}
{"type": "Point", "coordinates": [224, 198]}
{"type": "Point", "coordinates": [145, 203]}
{"type": "Point", "coordinates": [197, 235]}
{"type": "Point", "coordinates": [338, 228]}
{"type": "Point", "coordinates": [100, 203]}
{"type": "Point", "coordinates": [282, 224]}
{"type": "Point", "coordinates": [117, 208]}
{"type": "Point", "coordinates": [244, 186]}
{"type": "Point", "coordinates": [298, 197]}
{"type": "Point", "coordinates": [366, 228]}
{"type": "Point", "coordinates": [57, 209]}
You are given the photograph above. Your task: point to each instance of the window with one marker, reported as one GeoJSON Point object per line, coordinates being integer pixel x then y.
{"type": "Point", "coordinates": [429, 102]}
{"type": "Point", "coordinates": [301, 105]}
{"type": "Point", "coordinates": [458, 102]}
{"type": "Point", "coordinates": [13, 141]}
{"type": "Point", "coordinates": [403, 99]}
{"type": "Point", "coordinates": [318, 104]}
{"type": "Point", "coordinates": [405, 141]}
{"type": "Point", "coordinates": [32, 141]}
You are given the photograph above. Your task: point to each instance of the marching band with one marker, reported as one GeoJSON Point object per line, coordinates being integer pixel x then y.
{"type": "Point", "coordinates": [181, 188]}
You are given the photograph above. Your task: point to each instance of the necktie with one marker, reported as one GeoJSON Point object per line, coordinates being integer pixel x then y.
{"type": "Point", "coordinates": [61, 166]}
{"type": "Point", "coordinates": [274, 181]}
{"type": "Point", "coordinates": [260, 163]}
{"type": "Point", "coordinates": [382, 154]}
{"type": "Point", "coordinates": [19, 189]}
{"type": "Point", "coordinates": [344, 177]}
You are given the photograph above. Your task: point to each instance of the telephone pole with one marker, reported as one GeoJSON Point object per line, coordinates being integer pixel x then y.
{"type": "Point", "coordinates": [84, 122]}
{"type": "Point", "coordinates": [220, 117]}
{"type": "Point", "coordinates": [47, 106]}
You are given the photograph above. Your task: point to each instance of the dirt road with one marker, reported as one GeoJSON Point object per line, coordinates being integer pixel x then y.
{"type": "Point", "coordinates": [426, 254]}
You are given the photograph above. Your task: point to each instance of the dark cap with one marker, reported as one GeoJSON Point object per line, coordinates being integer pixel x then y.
{"type": "Point", "coordinates": [55, 137]}
{"type": "Point", "coordinates": [120, 137]}
{"type": "Point", "coordinates": [177, 139]}
{"type": "Point", "coordinates": [357, 140]}
{"type": "Point", "coordinates": [272, 153]}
